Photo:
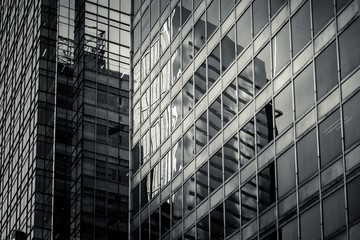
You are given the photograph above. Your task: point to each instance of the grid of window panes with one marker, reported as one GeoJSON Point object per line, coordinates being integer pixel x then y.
{"type": "Point", "coordinates": [244, 120]}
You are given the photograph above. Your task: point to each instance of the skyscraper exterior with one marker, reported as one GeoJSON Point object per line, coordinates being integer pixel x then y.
{"type": "Point", "coordinates": [245, 120]}
{"type": "Point", "coordinates": [64, 119]}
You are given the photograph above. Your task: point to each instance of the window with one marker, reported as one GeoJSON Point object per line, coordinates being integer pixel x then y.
{"type": "Point", "coordinates": [248, 201]}
{"type": "Point", "coordinates": [264, 126]}
{"type": "Point", "coordinates": [300, 26]}
{"type": "Point", "coordinates": [232, 213]}
{"type": "Point", "coordinates": [145, 24]}
{"type": "Point", "coordinates": [289, 231]}
{"type": "Point", "coordinates": [334, 212]}
{"type": "Point", "coordinates": [351, 121]}
{"type": "Point", "coordinates": [175, 21]}
{"type": "Point", "coordinates": [212, 14]}
{"type": "Point", "coordinates": [276, 5]}
{"type": "Point", "coordinates": [323, 11]}
{"type": "Point", "coordinates": [154, 12]}
{"type": "Point", "coordinates": [202, 183]}
{"type": "Point", "coordinates": [200, 81]}
{"type": "Point", "coordinates": [229, 102]}
{"type": "Point", "coordinates": [199, 34]}
{"type": "Point", "coordinates": [266, 182]}
{"type": "Point", "coordinates": [213, 65]}
{"type": "Point", "coordinates": [310, 223]}
{"type": "Point", "coordinates": [260, 15]}
{"type": "Point", "coordinates": [188, 139]}
{"type": "Point", "coordinates": [262, 68]}
{"type": "Point", "coordinates": [165, 216]}
{"type": "Point", "coordinates": [243, 31]}
{"type": "Point", "coordinates": [187, 50]}
{"type": "Point", "coordinates": [176, 200]}
{"type": "Point", "coordinates": [231, 158]}
{"type": "Point", "coordinates": [177, 158]}
{"type": "Point", "coordinates": [307, 156]}
{"type": "Point", "coordinates": [188, 97]}
{"type": "Point", "coordinates": [226, 7]}
{"type": "Point", "coordinates": [203, 228]}
{"type": "Point", "coordinates": [286, 172]}
{"type": "Point", "coordinates": [201, 132]}
{"type": "Point", "coordinates": [280, 49]}
{"type": "Point", "coordinates": [155, 224]}
{"type": "Point", "coordinates": [245, 86]}
{"type": "Point", "coordinates": [214, 118]}
{"type": "Point", "coordinates": [176, 115]}
{"type": "Point", "coordinates": [186, 10]}
{"type": "Point", "coordinates": [283, 110]}
{"type": "Point", "coordinates": [304, 91]}
{"type": "Point", "coordinates": [215, 170]}
{"type": "Point", "coordinates": [228, 49]}
{"type": "Point", "coordinates": [217, 223]}
{"type": "Point", "coordinates": [176, 65]}
{"type": "Point", "coordinates": [189, 192]}
{"type": "Point", "coordinates": [353, 199]}
{"type": "Point", "coordinates": [247, 143]}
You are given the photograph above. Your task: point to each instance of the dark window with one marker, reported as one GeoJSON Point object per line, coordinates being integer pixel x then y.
{"type": "Point", "coordinates": [232, 213]}
{"type": "Point", "coordinates": [351, 121]}
{"type": "Point", "coordinates": [323, 11]}
{"type": "Point", "coordinates": [307, 156]}
{"type": "Point", "coordinates": [189, 192]}
{"type": "Point", "coordinates": [187, 50]}
{"type": "Point", "coordinates": [310, 223]}
{"type": "Point", "coordinates": [229, 102]}
{"type": "Point", "coordinates": [188, 97]}
{"type": "Point", "coordinates": [243, 31]}
{"type": "Point", "coordinates": [283, 110]}
{"type": "Point", "coordinates": [145, 229]}
{"type": "Point", "coordinates": [276, 5]}
{"type": "Point", "coordinates": [341, 3]}
{"type": "Point", "coordinates": [203, 228]}
{"type": "Point", "coordinates": [175, 21]}
{"type": "Point", "coordinates": [145, 191]}
{"type": "Point", "coordinates": [212, 14]}
{"type": "Point", "coordinates": [155, 224]}
{"type": "Point", "coordinates": [245, 86]}
{"type": "Point", "coordinates": [214, 65]}
{"type": "Point", "coordinates": [199, 34]}
{"type": "Point", "coordinates": [304, 91]}
{"type": "Point", "coordinates": [289, 231]}
{"type": "Point", "coordinates": [248, 201]}
{"type": "Point", "coordinates": [264, 126]}
{"type": "Point", "coordinates": [186, 9]}
{"type": "Point", "coordinates": [177, 206]}
{"type": "Point", "coordinates": [334, 212]}
{"type": "Point", "coordinates": [201, 132]}
{"type": "Point", "coordinates": [202, 183]}
{"type": "Point", "coordinates": [214, 118]}
{"type": "Point", "coordinates": [326, 70]}
{"type": "Point", "coordinates": [260, 14]}
{"type": "Point", "coordinates": [280, 49]}
{"type": "Point", "coordinates": [231, 157]}
{"type": "Point", "coordinates": [217, 223]}
{"type": "Point", "coordinates": [262, 68]}
{"type": "Point", "coordinates": [247, 143]}
{"type": "Point", "coordinates": [135, 200]}
{"type": "Point", "coordinates": [215, 170]}
{"type": "Point", "coordinates": [286, 172]}
{"type": "Point", "coordinates": [165, 216]}
{"type": "Point", "coordinates": [266, 182]}
{"type": "Point", "coordinates": [300, 26]}
{"type": "Point", "coordinates": [188, 139]}
{"type": "Point", "coordinates": [200, 82]}
{"type": "Point", "coordinates": [353, 199]}
{"type": "Point", "coordinates": [228, 49]}
{"type": "Point", "coordinates": [190, 235]}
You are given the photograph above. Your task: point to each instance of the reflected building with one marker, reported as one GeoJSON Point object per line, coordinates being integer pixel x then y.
{"type": "Point", "coordinates": [249, 109]}
{"type": "Point", "coordinates": [64, 119]}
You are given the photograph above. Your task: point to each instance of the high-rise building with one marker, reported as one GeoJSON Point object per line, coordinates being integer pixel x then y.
{"type": "Point", "coordinates": [64, 119]}
{"type": "Point", "coordinates": [244, 119]}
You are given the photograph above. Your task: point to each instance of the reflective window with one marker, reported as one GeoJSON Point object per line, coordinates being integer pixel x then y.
{"type": "Point", "coordinates": [136, 119]}
{"type": "Point", "coordinates": [260, 14]}
{"type": "Point", "coordinates": [225, 9]}
{"type": "Point", "coordinates": [217, 222]}
{"type": "Point", "coordinates": [353, 199]}
{"type": "Point", "coordinates": [189, 145]}
{"type": "Point", "coordinates": [165, 216]}
{"type": "Point", "coordinates": [190, 234]}
{"type": "Point", "coordinates": [187, 51]}
{"type": "Point", "coordinates": [177, 158]}
{"type": "Point", "coordinates": [137, 76]}
{"type": "Point", "coordinates": [145, 229]}
{"type": "Point", "coordinates": [165, 35]}
{"type": "Point", "coordinates": [266, 182]}
{"type": "Point", "coordinates": [231, 157]}
{"type": "Point", "coordinates": [188, 97]}
{"type": "Point", "coordinates": [283, 110]}
{"type": "Point", "coordinates": [154, 52]}
{"type": "Point", "coordinates": [175, 21]}
{"type": "Point", "coordinates": [145, 147]}
{"type": "Point", "coordinates": [176, 113]}
{"type": "Point", "coordinates": [154, 12]}
{"type": "Point", "coordinates": [176, 200]}
{"type": "Point", "coordinates": [264, 126]}
{"type": "Point", "coordinates": [286, 172]}
{"type": "Point", "coordinates": [145, 24]}
{"type": "Point", "coordinates": [228, 49]}
{"type": "Point", "coordinates": [276, 5]}
{"type": "Point", "coordinates": [232, 213]}
{"type": "Point", "coordinates": [326, 70]}
{"type": "Point", "coordinates": [214, 118]}
{"type": "Point", "coordinates": [155, 224]}
{"type": "Point", "coordinates": [213, 65]}
{"type": "Point", "coordinates": [310, 223]}
{"type": "Point", "coordinates": [248, 201]}
{"type": "Point", "coordinates": [247, 143]}
{"type": "Point", "coordinates": [245, 86]}
{"type": "Point", "coordinates": [262, 68]}
{"type": "Point", "coordinates": [145, 64]}
{"type": "Point", "coordinates": [212, 14]}
{"type": "Point", "coordinates": [186, 9]}
{"type": "Point", "coordinates": [155, 136]}
{"type": "Point", "coordinates": [165, 169]}
{"type": "Point", "coordinates": [201, 183]}
{"type": "Point", "coordinates": [145, 190]}
{"type": "Point", "coordinates": [165, 79]}
{"type": "Point", "coordinates": [300, 28]}
{"type": "Point", "coordinates": [330, 138]}
{"type": "Point", "coordinates": [229, 102]}
{"type": "Point", "coordinates": [135, 200]}
{"type": "Point", "coordinates": [155, 93]}
{"type": "Point", "coordinates": [351, 121]}
{"type": "Point", "coordinates": [135, 157]}
{"type": "Point", "coordinates": [349, 48]}
{"type": "Point", "coordinates": [307, 156]}
{"type": "Point", "coordinates": [200, 82]}
{"type": "Point", "coordinates": [176, 65]}
{"type": "Point", "coordinates": [243, 31]}
{"type": "Point", "coordinates": [304, 91]}
{"type": "Point", "coordinates": [137, 37]}
{"type": "Point", "coordinates": [189, 192]}
{"type": "Point", "coordinates": [215, 170]}
{"type": "Point", "coordinates": [341, 3]}
{"type": "Point", "coordinates": [203, 228]}
{"type": "Point", "coordinates": [323, 11]}
{"type": "Point", "coordinates": [334, 212]}
{"type": "Point", "coordinates": [280, 49]}
{"type": "Point", "coordinates": [199, 34]}
{"type": "Point", "coordinates": [163, 4]}
{"type": "Point", "coordinates": [165, 124]}
{"type": "Point", "coordinates": [200, 132]}
{"type": "Point", "coordinates": [289, 231]}
{"type": "Point", "coordinates": [155, 180]}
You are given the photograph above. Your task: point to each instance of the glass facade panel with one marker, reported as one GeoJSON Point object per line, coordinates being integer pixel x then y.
{"type": "Point", "coordinates": [243, 31]}
{"type": "Point", "coordinates": [353, 199]}
{"type": "Point", "coordinates": [307, 156]}
{"type": "Point", "coordinates": [334, 212]}
{"type": "Point", "coordinates": [245, 86]}
{"type": "Point", "coordinates": [201, 132]}
{"type": "Point", "coordinates": [155, 224]}
{"type": "Point", "coordinates": [280, 49]}
{"type": "Point", "coordinates": [229, 102]}
{"type": "Point", "coordinates": [165, 216]}
{"type": "Point", "coordinates": [276, 5]}
{"type": "Point", "coordinates": [300, 28]}
{"type": "Point", "coordinates": [188, 97]}
{"type": "Point", "coordinates": [286, 172]}
{"type": "Point", "coordinates": [231, 158]}
{"type": "Point", "coordinates": [199, 34]}
{"type": "Point", "coordinates": [247, 143]}
{"type": "Point", "coordinates": [176, 111]}
{"type": "Point", "coordinates": [266, 182]}
{"type": "Point", "coordinates": [283, 110]}
{"type": "Point", "coordinates": [186, 9]}
{"type": "Point", "coordinates": [215, 170]}
{"type": "Point", "coordinates": [304, 91]}
{"type": "Point", "coordinates": [202, 183]}
{"type": "Point", "coordinates": [248, 201]}
{"type": "Point", "coordinates": [189, 148]}
{"type": "Point", "coordinates": [232, 214]}
{"type": "Point", "coordinates": [264, 126]}
{"type": "Point", "coordinates": [262, 68]}
{"type": "Point", "coordinates": [187, 50]}
{"type": "Point", "coordinates": [214, 118]}
{"type": "Point", "coordinates": [176, 207]}
{"type": "Point", "coordinates": [217, 222]}
{"type": "Point", "coordinates": [175, 21]}
{"type": "Point", "coordinates": [213, 66]}
{"type": "Point", "coordinates": [213, 16]}
{"type": "Point", "coordinates": [351, 121]}
{"type": "Point", "coordinates": [323, 11]}
{"type": "Point", "coordinates": [189, 192]}
{"type": "Point", "coordinates": [310, 223]}
{"type": "Point", "coordinates": [177, 158]}
{"type": "Point", "coordinates": [228, 49]}
{"type": "Point", "coordinates": [200, 82]}
{"type": "Point", "coordinates": [260, 15]}
{"type": "Point", "coordinates": [202, 228]}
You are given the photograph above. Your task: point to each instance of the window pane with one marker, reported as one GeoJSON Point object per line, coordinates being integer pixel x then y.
{"type": "Point", "coordinates": [145, 190]}
{"type": "Point", "coordinates": [189, 193]}
{"type": "Point", "coordinates": [300, 26]}
{"type": "Point", "coordinates": [136, 120]}
{"type": "Point", "coordinates": [203, 228]}
{"type": "Point", "coordinates": [214, 118]}
{"type": "Point", "coordinates": [201, 132]}
{"type": "Point", "coordinates": [175, 21]}
{"type": "Point", "coordinates": [199, 34]}
{"type": "Point", "coordinates": [217, 222]}
{"type": "Point", "coordinates": [145, 105]}
{"type": "Point", "coordinates": [155, 180]}
{"type": "Point", "coordinates": [245, 86]}
{"type": "Point", "coordinates": [155, 136]}
{"type": "Point", "coordinates": [289, 231]}
{"type": "Point", "coordinates": [229, 102]}
{"type": "Point", "coordinates": [165, 169]}
{"type": "Point", "coordinates": [212, 17]}
{"type": "Point", "coordinates": [165, 79]}
{"type": "Point", "coordinates": [286, 172]}
{"type": "Point", "coordinates": [276, 5]}
{"type": "Point", "coordinates": [334, 212]}
{"type": "Point", "coordinates": [341, 3]}
{"type": "Point", "coordinates": [310, 223]}
{"type": "Point", "coordinates": [248, 201]}
{"type": "Point", "coordinates": [232, 213]}
{"type": "Point", "coordinates": [177, 158]}
{"type": "Point", "coordinates": [262, 68]}
{"type": "Point", "coordinates": [165, 216]}
{"type": "Point", "coordinates": [165, 124]}
{"type": "Point", "coordinates": [200, 82]}
{"type": "Point", "coordinates": [188, 97]}
{"type": "Point", "coordinates": [176, 111]}
{"type": "Point", "coordinates": [281, 49]}
{"type": "Point", "coordinates": [247, 143]}
{"type": "Point", "coordinates": [186, 9]}
{"type": "Point", "coordinates": [260, 15]}
{"type": "Point", "coordinates": [231, 157]}
{"type": "Point", "coordinates": [228, 49]}
{"type": "Point", "coordinates": [304, 91]}
{"type": "Point", "coordinates": [323, 11]}
{"type": "Point", "coordinates": [188, 145]}
{"type": "Point", "coordinates": [349, 48]}
{"type": "Point", "coordinates": [283, 110]}
{"type": "Point", "coordinates": [243, 31]}
{"type": "Point", "coordinates": [307, 156]}
{"type": "Point", "coordinates": [190, 235]}
{"type": "Point", "coordinates": [176, 65]}
{"type": "Point", "coordinates": [177, 206]}
{"type": "Point", "coordinates": [154, 12]}
{"type": "Point", "coordinates": [155, 92]}
{"type": "Point", "coordinates": [145, 229]}
{"type": "Point", "coordinates": [187, 51]}
{"type": "Point", "coordinates": [215, 168]}
{"type": "Point", "coordinates": [201, 183]}
{"type": "Point", "coordinates": [154, 224]}
{"type": "Point", "coordinates": [330, 138]}
{"type": "Point", "coordinates": [352, 120]}
{"type": "Point", "coordinates": [135, 200]}
{"type": "Point", "coordinates": [326, 70]}
{"type": "Point", "coordinates": [264, 126]}
{"type": "Point", "coordinates": [353, 199]}
{"type": "Point", "coordinates": [214, 65]}
{"type": "Point", "coordinates": [145, 24]}
{"type": "Point", "coordinates": [165, 36]}
{"type": "Point", "coordinates": [137, 37]}
{"type": "Point", "coordinates": [226, 7]}
{"type": "Point", "coordinates": [266, 181]}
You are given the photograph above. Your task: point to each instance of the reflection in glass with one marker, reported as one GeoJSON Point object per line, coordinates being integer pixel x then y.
{"type": "Point", "coordinates": [217, 223]}
{"type": "Point", "coordinates": [228, 49]}
{"type": "Point", "coordinates": [229, 102]}
{"type": "Point", "coordinates": [264, 126]}
{"type": "Point", "coordinates": [155, 93]}
{"type": "Point", "coordinates": [349, 48]}
{"type": "Point", "coordinates": [243, 31]}
{"type": "Point", "coordinates": [137, 76]}
{"type": "Point", "coordinates": [155, 224]}
{"type": "Point", "coordinates": [155, 180]}
{"type": "Point", "coordinates": [188, 139]}
{"type": "Point", "coordinates": [177, 158]}
{"type": "Point", "coordinates": [176, 200]}
{"type": "Point", "coordinates": [225, 9]}
{"type": "Point", "coordinates": [330, 138]}
{"type": "Point", "coordinates": [137, 37]}
{"type": "Point", "coordinates": [145, 24]}
{"type": "Point", "coordinates": [304, 91]}
{"type": "Point", "coordinates": [215, 170]}
{"type": "Point", "coordinates": [200, 81]}
{"type": "Point", "coordinates": [214, 118]}
{"type": "Point", "coordinates": [286, 172]}
{"type": "Point", "coordinates": [135, 157]}
{"type": "Point", "coordinates": [334, 212]}
{"type": "Point", "coordinates": [199, 34]}
{"type": "Point", "coordinates": [280, 49]}
{"type": "Point", "coordinates": [232, 213]}
{"type": "Point", "coordinates": [260, 14]}
{"type": "Point", "coordinates": [188, 97]}
{"type": "Point", "coordinates": [165, 79]}
{"type": "Point", "coordinates": [165, 124]}
{"type": "Point", "coordinates": [201, 183]}
{"type": "Point", "coordinates": [189, 192]}
{"type": "Point", "coordinates": [245, 86]}
{"type": "Point", "coordinates": [155, 136]}
{"type": "Point", "coordinates": [176, 65]}
{"type": "Point", "coordinates": [145, 229]}
{"type": "Point", "coordinates": [289, 231]}
{"type": "Point", "coordinates": [165, 216]}
{"type": "Point", "coordinates": [175, 21]}
{"type": "Point", "coordinates": [145, 190]}
{"type": "Point", "coordinates": [154, 52]}
{"type": "Point", "coordinates": [326, 70]}
{"type": "Point", "coordinates": [310, 223]}
{"type": "Point", "coordinates": [323, 11]}
{"type": "Point", "coordinates": [135, 200]}
{"type": "Point", "coordinates": [231, 158]}
{"type": "Point", "coordinates": [262, 68]}
{"type": "Point", "coordinates": [213, 65]}
{"type": "Point", "coordinates": [351, 121]}
{"type": "Point", "coordinates": [165, 36]}
{"type": "Point", "coordinates": [200, 132]}
{"type": "Point", "coordinates": [154, 12]}
{"type": "Point", "coordinates": [247, 143]}
{"type": "Point", "coordinates": [190, 234]}
{"type": "Point", "coordinates": [212, 17]}
{"type": "Point", "coordinates": [341, 3]}
{"type": "Point", "coordinates": [307, 156]}
{"type": "Point", "coordinates": [353, 199]}
{"type": "Point", "coordinates": [187, 50]}
{"type": "Point", "coordinates": [186, 9]}
{"type": "Point", "coordinates": [300, 28]}
{"type": "Point", "coordinates": [136, 118]}
{"type": "Point", "coordinates": [248, 201]}
{"type": "Point", "coordinates": [176, 111]}
{"type": "Point", "coordinates": [266, 182]}
{"type": "Point", "coordinates": [283, 110]}
{"type": "Point", "coordinates": [145, 147]}
{"type": "Point", "coordinates": [165, 169]}
{"type": "Point", "coordinates": [276, 5]}
{"type": "Point", "coordinates": [203, 228]}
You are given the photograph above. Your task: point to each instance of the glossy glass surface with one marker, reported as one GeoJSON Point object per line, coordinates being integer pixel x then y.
{"type": "Point", "coordinates": [275, 5]}
{"type": "Point", "coordinates": [155, 93]}
{"type": "Point", "coordinates": [323, 11]}
{"type": "Point", "coordinates": [175, 21]}
{"type": "Point", "coordinates": [300, 26]}
{"type": "Point", "coordinates": [189, 192]}
{"type": "Point", "coordinates": [188, 97]}
{"type": "Point", "coordinates": [307, 156]}
{"type": "Point", "coordinates": [213, 17]}
{"type": "Point", "coordinates": [214, 118]}
{"type": "Point", "coordinates": [189, 148]}
{"type": "Point", "coordinates": [231, 158]}
{"type": "Point", "coordinates": [260, 15]}
{"type": "Point", "coordinates": [266, 182]}
{"type": "Point", "coordinates": [187, 50]}
{"type": "Point", "coordinates": [201, 132]}
{"type": "Point", "coordinates": [228, 49]}
{"type": "Point", "coordinates": [248, 201]}
{"type": "Point", "coordinates": [334, 212]}
{"type": "Point", "coordinates": [155, 224]}
{"type": "Point", "coordinates": [264, 126]}
{"type": "Point", "coordinates": [232, 213]}
{"type": "Point", "coordinates": [310, 223]}
{"type": "Point", "coordinates": [283, 110]}
{"type": "Point", "coordinates": [176, 113]}
{"type": "Point", "coordinates": [243, 31]}
{"type": "Point", "coordinates": [165, 216]}
{"type": "Point", "coordinates": [262, 68]}
{"type": "Point", "coordinates": [176, 209]}
{"type": "Point", "coordinates": [351, 121]}
{"type": "Point", "coordinates": [229, 102]}
{"type": "Point", "coordinates": [280, 49]}
{"type": "Point", "coordinates": [200, 82]}
{"type": "Point", "coordinates": [215, 170]}
{"type": "Point", "coordinates": [186, 8]}
{"type": "Point", "coordinates": [202, 228]}
{"type": "Point", "coordinates": [145, 24]}
{"type": "Point", "coordinates": [286, 172]}
{"type": "Point", "coordinates": [176, 157]}
{"type": "Point", "coordinates": [199, 34]}
{"type": "Point", "coordinates": [353, 199]}
{"type": "Point", "coordinates": [154, 12]}
{"type": "Point", "coordinates": [247, 143]}
{"type": "Point", "coordinates": [216, 223]}
{"type": "Point", "coordinates": [304, 91]}
{"type": "Point", "coordinates": [202, 183]}
{"type": "Point", "coordinates": [214, 65]}
{"type": "Point", "coordinates": [245, 86]}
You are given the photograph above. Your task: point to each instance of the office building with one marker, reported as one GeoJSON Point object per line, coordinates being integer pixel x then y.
{"type": "Point", "coordinates": [64, 119]}
{"type": "Point", "coordinates": [244, 119]}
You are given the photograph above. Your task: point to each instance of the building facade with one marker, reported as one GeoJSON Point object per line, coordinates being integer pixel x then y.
{"type": "Point", "coordinates": [64, 119]}
{"type": "Point", "coordinates": [244, 122]}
